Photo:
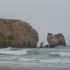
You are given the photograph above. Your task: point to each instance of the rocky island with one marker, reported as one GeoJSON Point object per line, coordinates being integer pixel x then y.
{"type": "Point", "coordinates": [17, 34]}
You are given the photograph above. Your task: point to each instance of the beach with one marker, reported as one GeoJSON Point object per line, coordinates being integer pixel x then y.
{"type": "Point", "coordinates": [32, 68]}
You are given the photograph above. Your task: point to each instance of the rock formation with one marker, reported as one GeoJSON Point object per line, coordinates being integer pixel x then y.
{"type": "Point", "coordinates": [17, 33]}
{"type": "Point", "coordinates": [61, 39]}
{"type": "Point", "coordinates": [41, 45]}
{"type": "Point", "coordinates": [55, 40]}
{"type": "Point", "coordinates": [52, 40]}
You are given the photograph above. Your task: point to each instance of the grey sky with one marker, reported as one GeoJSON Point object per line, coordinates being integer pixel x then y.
{"type": "Point", "coordinates": [44, 15]}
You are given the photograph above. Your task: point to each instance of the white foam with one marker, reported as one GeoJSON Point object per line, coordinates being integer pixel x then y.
{"type": "Point", "coordinates": [26, 60]}
{"type": "Point", "coordinates": [62, 54]}
{"type": "Point", "coordinates": [55, 61]}
{"type": "Point", "coordinates": [7, 58]}
{"type": "Point", "coordinates": [13, 52]}
{"type": "Point", "coordinates": [3, 49]}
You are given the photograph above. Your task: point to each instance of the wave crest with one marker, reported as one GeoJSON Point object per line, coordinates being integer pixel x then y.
{"type": "Point", "coordinates": [60, 54]}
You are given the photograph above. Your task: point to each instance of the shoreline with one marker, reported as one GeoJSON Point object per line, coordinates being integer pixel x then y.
{"type": "Point", "coordinates": [32, 68]}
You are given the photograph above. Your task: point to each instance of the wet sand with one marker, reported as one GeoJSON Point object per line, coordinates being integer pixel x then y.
{"type": "Point", "coordinates": [32, 68]}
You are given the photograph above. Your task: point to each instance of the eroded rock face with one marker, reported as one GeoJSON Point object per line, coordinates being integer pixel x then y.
{"type": "Point", "coordinates": [52, 40]}
{"type": "Point", "coordinates": [55, 40]}
{"type": "Point", "coordinates": [17, 33]}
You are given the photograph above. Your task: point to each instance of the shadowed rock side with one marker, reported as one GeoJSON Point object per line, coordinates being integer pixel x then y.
{"type": "Point", "coordinates": [61, 39]}
{"type": "Point", "coordinates": [17, 33]}
{"type": "Point", "coordinates": [55, 40]}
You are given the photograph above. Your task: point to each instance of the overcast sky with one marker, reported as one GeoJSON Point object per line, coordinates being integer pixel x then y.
{"type": "Point", "coordinates": [43, 15]}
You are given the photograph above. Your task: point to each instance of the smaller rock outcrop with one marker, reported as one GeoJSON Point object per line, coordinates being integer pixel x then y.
{"type": "Point", "coordinates": [41, 45]}
{"type": "Point", "coordinates": [52, 40]}
{"type": "Point", "coordinates": [55, 40]}
{"type": "Point", "coordinates": [61, 39]}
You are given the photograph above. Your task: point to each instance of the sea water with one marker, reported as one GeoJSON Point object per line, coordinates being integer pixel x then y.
{"type": "Point", "coordinates": [58, 57]}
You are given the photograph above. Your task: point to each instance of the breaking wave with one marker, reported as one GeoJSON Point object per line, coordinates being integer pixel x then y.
{"type": "Point", "coordinates": [56, 61]}
{"type": "Point", "coordinates": [13, 51]}
{"type": "Point", "coordinates": [60, 54]}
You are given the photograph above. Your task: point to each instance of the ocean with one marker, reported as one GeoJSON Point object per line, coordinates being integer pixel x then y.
{"type": "Point", "coordinates": [58, 57]}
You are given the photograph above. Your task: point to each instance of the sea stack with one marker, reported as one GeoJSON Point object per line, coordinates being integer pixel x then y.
{"type": "Point", "coordinates": [56, 40]}
{"type": "Point", "coordinates": [61, 39]}
{"type": "Point", "coordinates": [41, 45]}
{"type": "Point", "coordinates": [52, 40]}
{"type": "Point", "coordinates": [17, 34]}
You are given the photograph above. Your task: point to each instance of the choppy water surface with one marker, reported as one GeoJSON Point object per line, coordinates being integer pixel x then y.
{"type": "Point", "coordinates": [58, 57]}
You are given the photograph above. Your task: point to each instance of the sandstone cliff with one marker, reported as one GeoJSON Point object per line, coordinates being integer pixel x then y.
{"type": "Point", "coordinates": [17, 33]}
